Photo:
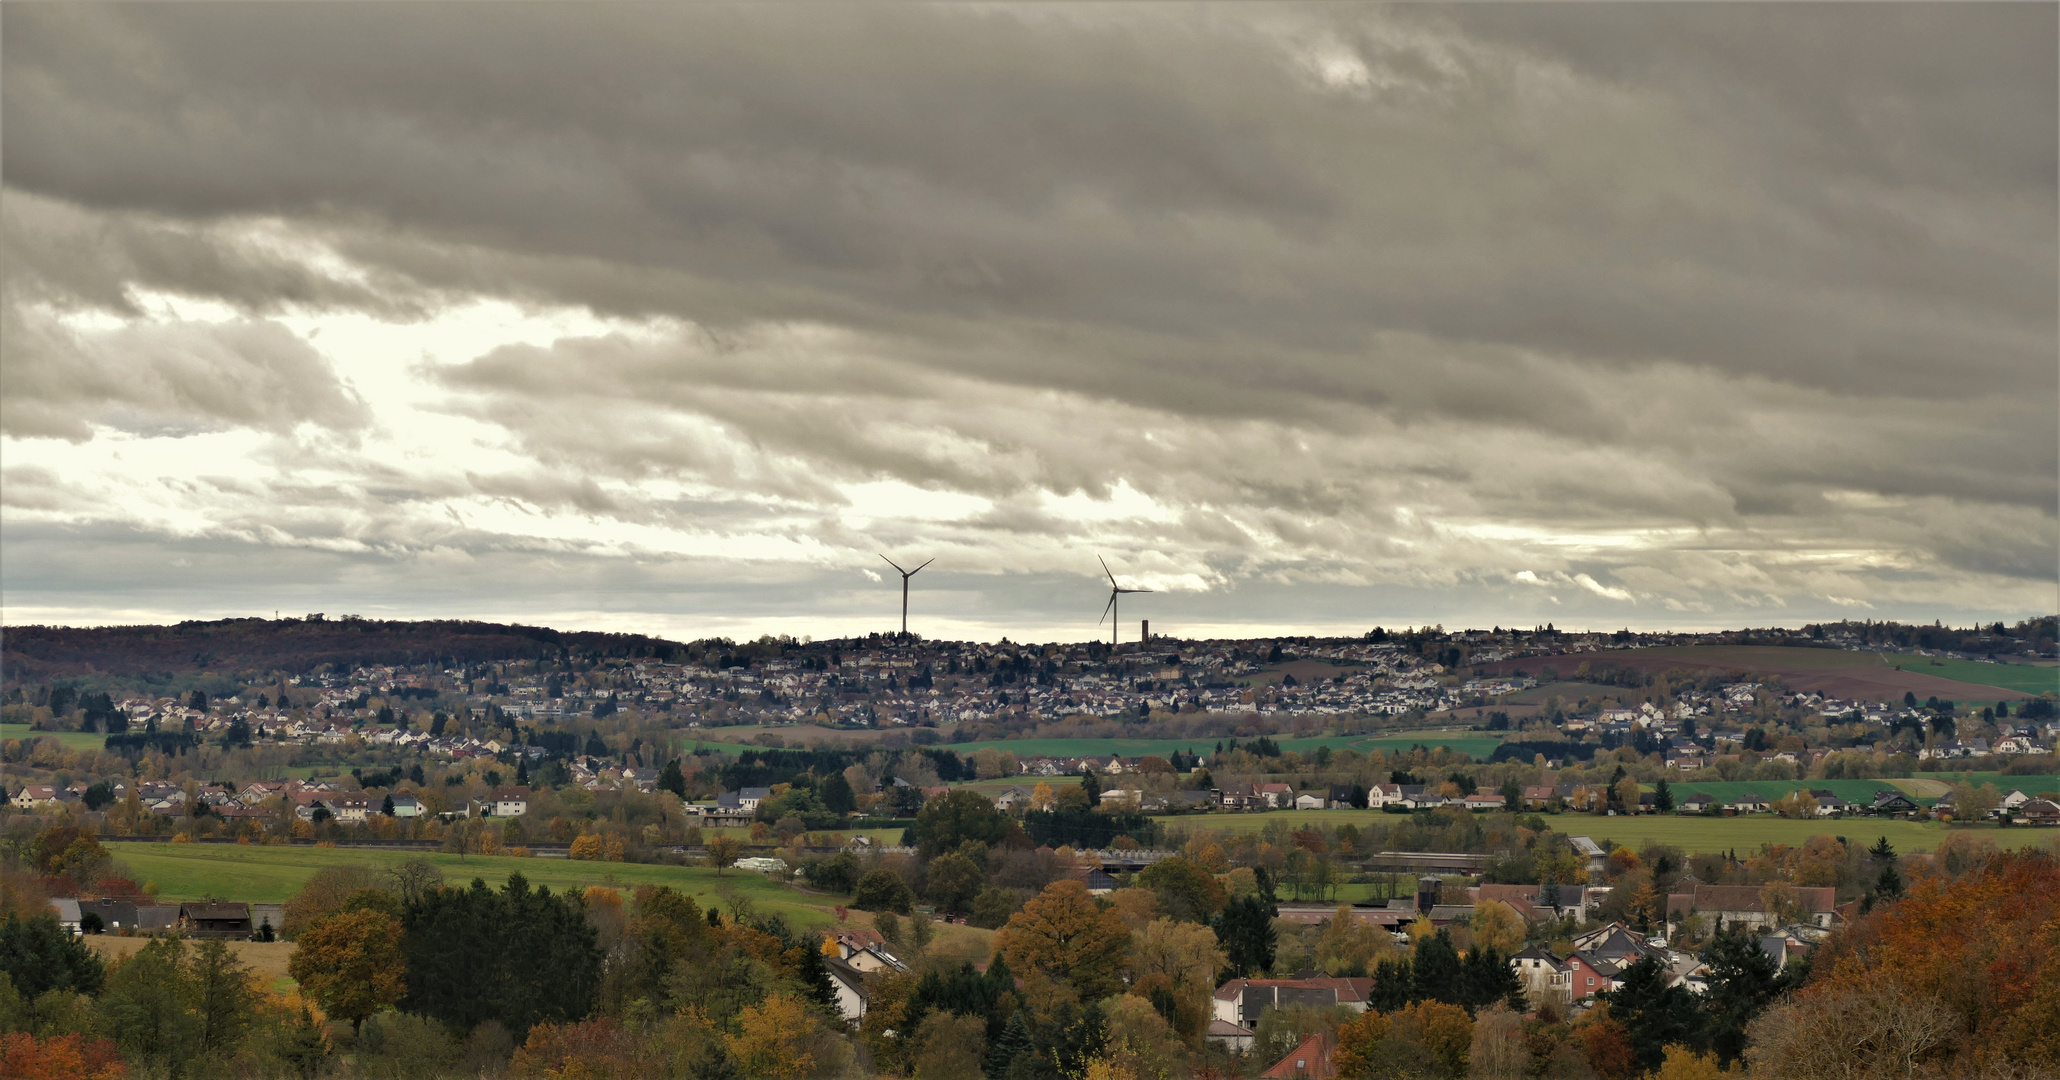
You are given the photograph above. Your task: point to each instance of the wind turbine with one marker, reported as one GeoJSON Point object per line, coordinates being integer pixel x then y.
{"type": "Point", "coordinates": [905, 575]}
{"type": "Point", "coordinates": [1115, 590]}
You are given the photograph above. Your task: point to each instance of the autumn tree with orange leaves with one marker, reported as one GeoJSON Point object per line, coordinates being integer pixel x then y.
{"type": "Point", "coordinates": [60, 1057]}
{"type": "Point", "coordinates": [352, 964]}
{"type": "Point", "coordinates": [1062, 933]}
{"type": "Point", "coordinates": [1961, 977]}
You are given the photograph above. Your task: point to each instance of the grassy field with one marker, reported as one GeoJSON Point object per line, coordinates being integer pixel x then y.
{"type": "Point", "coordinates": [1691, 834]}
{"type": "Point", "coordinates": [1460, 739]}
{"type": "Point", "coordinates": [1850, 790]}
{"type": "Point", "coordinates": [1472, 744]}
{"type": "Point", "coordinates": [1568, 691]}
{"type": "Point", "coordinates": [267, 959]}
{"type": "Point", "coordinates": [72, 740]}
{"type": "Point", "coordinates": [1926, 788]}
{"type": "Point", "coordinates": [271, 874]}
{"type": "Point", "coordinates": [2032, 679]}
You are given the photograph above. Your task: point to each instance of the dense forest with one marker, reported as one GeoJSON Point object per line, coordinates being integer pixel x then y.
{"type": "Point", "coordinates": [296, 646]}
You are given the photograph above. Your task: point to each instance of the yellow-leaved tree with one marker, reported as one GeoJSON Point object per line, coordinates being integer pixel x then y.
{"type": "Point", "coordinates": [1062, 933]}
{"type": "Point", "coordinates": [1496, 925]}
{"type": "Point", "coordinates": [1684, 1064]}
{"type": "Point", "coordinates": [351, 963]}
{"type": "Point", "coordinates": [773, 1039]}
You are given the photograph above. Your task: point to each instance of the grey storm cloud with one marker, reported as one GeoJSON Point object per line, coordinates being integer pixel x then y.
{"type": "Point", "coordinates": [156, 378]}
{"type": "Point", "coordinates": [1703, 307]}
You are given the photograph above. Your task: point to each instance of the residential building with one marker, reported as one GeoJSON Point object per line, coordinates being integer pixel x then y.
{"type": "Point", "coordinates": [1309, 1061]}
{"type": "Point", "coordinates": [2039, 812]}
{"type": "Point", "coordinates": [1235, 1038]}
{"type": "Point", "coordinates": [1275, 795]}
{"type": "Point", "coordinates": [1545, 977]}
{"type": "Point", "coordinates": [1734, 905]}
{"type": "Point", "coordinates": [747, 799]}
{"type": "Point", "coordinates": [1589, 975]}
{"type": "Point", "coordinates": [1587, 848]}
{"type": "Point", "coordinates": [353, 808]}
{"type": "Point", "coordinates": [1244, 1001]}
{"type": "Point", "coordinates": [505, 801]}
{"type": "Point", "coordinates": [67, 911]}
{"type": "Point", "coordinates": [1893, 803]}
{"type": "Point", "coordinates": [847, 985]}
{"type": "Point", "coordinates": [1016, 797]}
{"type": "Point", "coordinates": [216, 918]}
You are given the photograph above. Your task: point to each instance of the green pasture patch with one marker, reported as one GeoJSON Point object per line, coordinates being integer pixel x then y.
{"type": "Point", "coordinates": [1474, 745]}
{"type": "Point", "coordinates": [1690, 833]}
{"type": "Point", "coordinates": [1859, 791]}
{"type": "Point", "coordinates": [1030, 748]}
{"type": "Point", "coordinates": [1570, 692]}
{"type": "Point", "coordinates": [1467, 742]}
{"type": "Point", "coordinates": [270, 874]}
{"type": "Point", "coordinates": [2029, 678]}
{"type": "Point", "coordinates": [71, 740]}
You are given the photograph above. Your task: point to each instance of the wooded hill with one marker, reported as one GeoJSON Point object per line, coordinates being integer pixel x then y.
{"type": "Point", "coordinates": [297, 646]}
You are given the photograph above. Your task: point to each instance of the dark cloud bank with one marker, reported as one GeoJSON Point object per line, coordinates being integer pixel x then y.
{"type": "Point", "coordinates": [1660, 314]}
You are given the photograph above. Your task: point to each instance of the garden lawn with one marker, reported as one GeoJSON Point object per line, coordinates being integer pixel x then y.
{"type": "Point", "coordinates": [1691, 834]}
{"type": "Point", "coordinates": [270, 874]}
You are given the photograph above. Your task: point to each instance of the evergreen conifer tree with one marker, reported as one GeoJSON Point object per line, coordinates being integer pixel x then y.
{"type": "Point", "coordinates": [1013, 1043]}
{"type": "Point", "coordinates": [1436, 970]}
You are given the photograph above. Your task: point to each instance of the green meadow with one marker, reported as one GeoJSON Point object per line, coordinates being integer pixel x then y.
{"type": "Point", "coordinates": [1691, 834]}
{"type": "Point", "coordinates": [269, 874]}
{"type": "Point", "coordinates": [72, 740]}
{"type": "Point", "coordinates": [1464, 740]}
{"type": "Point", "coordinates": [1460, 739]}
{"type": "Point", "coordinates": [2030, 678]}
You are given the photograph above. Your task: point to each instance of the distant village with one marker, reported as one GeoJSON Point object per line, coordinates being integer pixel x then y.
{"type": "Point", "coordinates": [987, 691]}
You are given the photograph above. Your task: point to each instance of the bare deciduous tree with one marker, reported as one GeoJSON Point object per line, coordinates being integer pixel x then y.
{"type": "Point", "coordinates": [1841, 1033]}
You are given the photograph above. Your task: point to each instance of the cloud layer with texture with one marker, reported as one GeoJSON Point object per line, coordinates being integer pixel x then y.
{"type": "Point", "coordinates": [672, 318]}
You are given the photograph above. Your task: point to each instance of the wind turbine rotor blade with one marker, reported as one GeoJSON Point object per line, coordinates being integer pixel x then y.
{"type": "Point", "coordinates": [919, 569]}
{"type": "Point", "coordinates": [1105, 570]}
{"type": "Point", "coordinates": [895, 565]}
{"type": "Point", "coordinates": [1106, 610]}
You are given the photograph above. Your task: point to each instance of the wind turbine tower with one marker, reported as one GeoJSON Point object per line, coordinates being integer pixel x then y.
{"type": "Point", "coordinates": [1115, 590]}
{"type": "Point", "coordinates": [905, 575]}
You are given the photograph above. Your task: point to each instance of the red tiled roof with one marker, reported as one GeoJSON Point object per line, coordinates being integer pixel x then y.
{"type": "Point", "coordinates": [1311, 1059]}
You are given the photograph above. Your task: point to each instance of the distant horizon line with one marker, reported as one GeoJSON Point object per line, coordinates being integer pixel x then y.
{"type": "Point", "coordinates": [1248, 632]}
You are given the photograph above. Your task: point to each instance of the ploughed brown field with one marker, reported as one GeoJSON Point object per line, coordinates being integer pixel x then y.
{"type": "Point", "coordinates": [1852, 676]}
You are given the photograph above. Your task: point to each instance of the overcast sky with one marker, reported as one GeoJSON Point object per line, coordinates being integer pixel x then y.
{"type": "Point", "coordinates": [671, 318]}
